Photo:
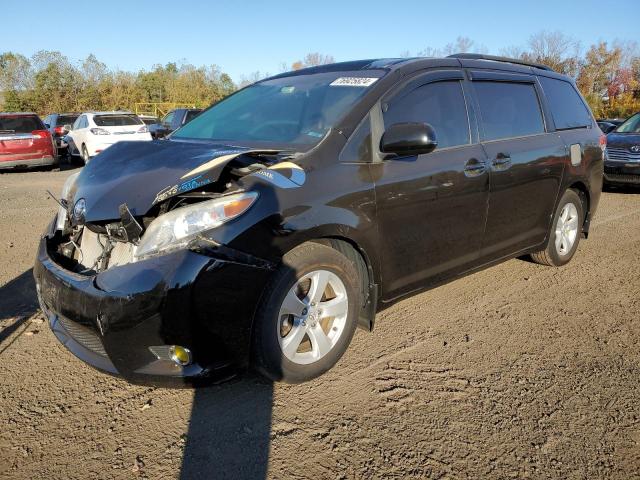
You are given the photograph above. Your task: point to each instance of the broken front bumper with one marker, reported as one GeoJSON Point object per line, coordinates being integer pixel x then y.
{"type": "Point", "coordinates": [198, 301]}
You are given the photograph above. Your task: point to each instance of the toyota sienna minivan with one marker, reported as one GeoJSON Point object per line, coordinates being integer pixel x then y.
{"type": "Point", "coordinates": [264, 231]}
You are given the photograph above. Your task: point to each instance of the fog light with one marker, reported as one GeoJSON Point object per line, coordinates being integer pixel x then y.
{"type": "Point", "coordinates": [180, 355]}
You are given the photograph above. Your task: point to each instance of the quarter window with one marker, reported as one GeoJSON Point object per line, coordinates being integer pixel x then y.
{"type": "Point", "coordinates": [567, 107]}
{"type": "Point", "coordinates": [440, 104]}
{"type": "Point", "coordinates": [358, 148]}
{"type": "Point", "coordinates": [508, 109]}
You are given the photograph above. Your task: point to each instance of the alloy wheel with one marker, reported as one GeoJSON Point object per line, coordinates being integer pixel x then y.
{"type": "Point", "coordinates": [312, 317]}
{"type": "Point", "coordinates": [566, 229]}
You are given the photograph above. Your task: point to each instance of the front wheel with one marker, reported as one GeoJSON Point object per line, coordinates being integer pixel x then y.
{"type": "Point", "coordinates": [566, 229]}
{"type": "Point", "coordinates": [308, 314]}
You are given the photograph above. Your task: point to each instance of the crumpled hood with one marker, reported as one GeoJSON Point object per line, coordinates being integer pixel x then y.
{"type": "Point", "coordinates": [141, 174]}
{"type": "Point", "coordinates": [623, 140]}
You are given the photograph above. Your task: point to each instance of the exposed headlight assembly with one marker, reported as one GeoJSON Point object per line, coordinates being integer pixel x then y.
{"type": "Point", "coordinates": [61, 221]}
{"type": "Point", "coordinates": [175, 229]}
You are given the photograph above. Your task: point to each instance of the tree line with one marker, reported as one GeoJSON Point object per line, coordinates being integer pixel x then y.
{"type": "Point", "coordinates": [607, 74]}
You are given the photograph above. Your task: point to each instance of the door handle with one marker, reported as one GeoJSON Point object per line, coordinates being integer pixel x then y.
{"type": "Point", "coordinates": [474, 167]}
{"type": "Point", "coordinates": [502, 161]}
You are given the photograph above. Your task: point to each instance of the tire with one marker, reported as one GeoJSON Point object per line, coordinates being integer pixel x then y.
{"type": "Point", "coordinates": [564, 236]}
{"type": "Point", "coordinates": [85, 154]}
{"type": "Point", "coordinates": [298, 347]}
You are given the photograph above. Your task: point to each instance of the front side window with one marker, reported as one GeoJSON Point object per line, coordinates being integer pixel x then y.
{"type": "Point", "coordinates": [566, 106]}
{"type": "Point", "coordinates": [293, 110]}
{"type": "Point", "coordinates": [508, 109]}
{"type": "Point", "coordinates": [439, 104]}
{"type": "Point", "coordinates": [631, 125]}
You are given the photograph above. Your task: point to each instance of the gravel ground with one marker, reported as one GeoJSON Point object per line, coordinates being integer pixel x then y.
{"type": "Point", "coordinates": [516, 371]}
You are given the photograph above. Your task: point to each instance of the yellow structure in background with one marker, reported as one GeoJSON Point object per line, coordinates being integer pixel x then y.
{"type": "Point", "coordinates": [159, 109]}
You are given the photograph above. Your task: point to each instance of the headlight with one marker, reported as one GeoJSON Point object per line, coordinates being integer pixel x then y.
{"type": "Point", "coordinates": [175, 229]}
{"type": "Point", "coordinates": [62, 213]}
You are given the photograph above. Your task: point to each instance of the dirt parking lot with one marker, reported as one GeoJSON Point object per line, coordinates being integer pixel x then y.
{"type": "Point", "coordinates": [517, 371]}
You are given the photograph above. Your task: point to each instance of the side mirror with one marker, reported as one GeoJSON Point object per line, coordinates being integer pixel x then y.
{"type": "Point", "coordinates": [409, 139]}
{"type": "Point", "coordinates": [66, 128]}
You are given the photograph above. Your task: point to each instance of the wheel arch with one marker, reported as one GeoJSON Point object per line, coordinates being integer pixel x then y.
{"type": "Point", "coordinates": [583, 193]}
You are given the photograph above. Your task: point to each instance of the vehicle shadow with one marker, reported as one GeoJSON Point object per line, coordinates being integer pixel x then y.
{"type": "Point", "coordinates": [18, 302]}
{"type": "Point", "coordinates": [229, 431]}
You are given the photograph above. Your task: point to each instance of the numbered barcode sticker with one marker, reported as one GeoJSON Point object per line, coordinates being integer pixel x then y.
{"type": "Point", "coordinates": [353, 82]}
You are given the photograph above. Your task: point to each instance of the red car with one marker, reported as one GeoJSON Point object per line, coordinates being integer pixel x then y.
{"type": "Point", "coordinates": [25, 141]}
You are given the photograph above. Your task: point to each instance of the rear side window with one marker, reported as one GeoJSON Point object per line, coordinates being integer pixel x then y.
{"type": "Point", "coordinates": [116, 120]}
{"type": "Point", "coordinates": [20, 124]}
{"type": "Point", "coordinates": [508, 109]}
{"type": "Point", "coordinates": [440, 104]}
{"type": "Point", "coordinates": [567, 108]}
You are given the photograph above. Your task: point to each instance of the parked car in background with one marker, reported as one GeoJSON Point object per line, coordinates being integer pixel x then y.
{"type": "Point", "coordinates": [606, 127]}
{"type": "Point", "coordinates": [94, 132]}
{"type": "Point", "coordinates": [622, 163]}
{"type": "Point", "coordinates": [268, 228]}
{"type": "Point", "coordinates": [25, 141]}
{"type": "Point", "coordinates": [55, 123]}
{"type": "Point", "coordinates": [173, 120]}
{"type": "Point", "coordinates": [149, 119]}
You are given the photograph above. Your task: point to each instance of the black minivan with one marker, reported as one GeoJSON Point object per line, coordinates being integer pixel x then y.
{"type": "Point", "coordinates": [263, 232]}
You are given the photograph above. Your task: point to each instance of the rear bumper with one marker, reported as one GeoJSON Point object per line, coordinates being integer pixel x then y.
{"type": "Point", "coordinates": [94, 148]}
{"type": "Point", "coordinates": [110, 320]}
{"type": "Point", "coordinates": [25, 161]}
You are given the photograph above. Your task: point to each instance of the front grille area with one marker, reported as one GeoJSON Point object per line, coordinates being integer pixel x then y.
{"type": "Point", "coordinates": [622, 155]}
{"type": "Point", "coordinates": [84, 336]}
{"type": "Point", "coordinates": [622, 178]}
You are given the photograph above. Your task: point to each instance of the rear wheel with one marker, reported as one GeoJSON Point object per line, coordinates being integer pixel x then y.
{"type": "Point", "coordinates": [564, 236]}
{"type": "Point", "coordinates": [308, 314]}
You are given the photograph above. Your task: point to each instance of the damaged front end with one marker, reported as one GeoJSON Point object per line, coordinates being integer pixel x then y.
{"type": "Point", "coordinates": [123, 292]}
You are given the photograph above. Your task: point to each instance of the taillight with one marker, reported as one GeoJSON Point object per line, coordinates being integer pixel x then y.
{"type": "Point", "coordinates": [603, 142]}
{"type": "Point", "coordinates": [59, 130]}
{"type": "Point", "coordinates": [41, 133]}
{"type": "Point", "coordinates": [144, 129]}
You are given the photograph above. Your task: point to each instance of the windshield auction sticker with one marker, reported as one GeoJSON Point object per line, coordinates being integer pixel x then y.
{"type": "Point", "coordinates": [353, 82]}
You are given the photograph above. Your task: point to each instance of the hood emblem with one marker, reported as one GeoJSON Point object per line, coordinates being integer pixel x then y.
{"type": "Point", "coordinates": [79, 210]}
{"type": "Point", "coordinates": [635, 148]}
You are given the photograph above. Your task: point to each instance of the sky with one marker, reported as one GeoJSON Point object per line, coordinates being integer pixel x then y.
{"type": "Point", "coordinates": [242, 37]}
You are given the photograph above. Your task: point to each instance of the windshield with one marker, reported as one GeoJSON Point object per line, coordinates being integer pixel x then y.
{"type": "Point", "coordinates": [296, 110]}
{"type": "Point", "coordinates": [116, 120]}
{"type": "Point", "coordinates": [630, 125]}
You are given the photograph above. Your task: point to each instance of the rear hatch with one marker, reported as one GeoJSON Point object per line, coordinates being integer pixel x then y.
{"type": "Point", "coordinates": [23, 137]}
{"type": "Point", "coordinates": [122, 126]}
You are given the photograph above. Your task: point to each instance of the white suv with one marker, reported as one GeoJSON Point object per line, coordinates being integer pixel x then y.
{"type": "Point", "coordinates": [93, 132]}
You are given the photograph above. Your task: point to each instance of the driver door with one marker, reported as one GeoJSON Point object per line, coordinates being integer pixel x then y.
{"type": "Point", "coordinates": [432, 208]}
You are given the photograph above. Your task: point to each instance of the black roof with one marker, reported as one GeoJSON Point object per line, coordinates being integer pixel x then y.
{"type": "Point", "coordinates": [414, 63]}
